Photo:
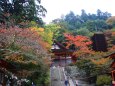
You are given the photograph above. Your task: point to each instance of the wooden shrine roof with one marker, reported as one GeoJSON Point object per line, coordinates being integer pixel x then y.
{"type": "Point", "coordinates": [62, 50]}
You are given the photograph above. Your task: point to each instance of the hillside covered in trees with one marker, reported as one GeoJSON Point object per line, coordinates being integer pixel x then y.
{"type": "Point", "coordinates": [75, 32]}
{"type": "Point", "coordinates": [84, 24]}
{"type": "Point", "coordinates": [25, 41]}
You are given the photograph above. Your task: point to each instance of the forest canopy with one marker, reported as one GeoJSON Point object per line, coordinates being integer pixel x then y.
{"type": "Point", "coordinates": [17, 12]}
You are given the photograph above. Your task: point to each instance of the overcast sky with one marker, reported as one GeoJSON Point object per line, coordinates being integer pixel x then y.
{"type": "Point", "coordinates": [56, 8]}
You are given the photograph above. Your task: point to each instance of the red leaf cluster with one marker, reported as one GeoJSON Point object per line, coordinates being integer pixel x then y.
{"type": "Point", "coordinates": [81, 43]}
{"type": "Point", "coordinates": [24, 39]}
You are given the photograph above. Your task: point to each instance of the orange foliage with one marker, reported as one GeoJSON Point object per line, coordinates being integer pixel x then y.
{"type": "Point", "coordinates": [78, 41]}
{"type": "Point", "coordinates": [112, 48]}
{"type": "Point", "coordinates": [113, 33]}
{"type": "Point", "coordinates": [17, 57]}
{"type": "Point", "coordinates": [100, 61]}
{"type": "Point", "coordinates": [81, 43]}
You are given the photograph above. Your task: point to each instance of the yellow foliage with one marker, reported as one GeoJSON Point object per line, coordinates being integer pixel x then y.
{"type": "Point", "coordinates": [20, 59]}
{"type": "Point", "coordinates": [41, 29]}
{"type": "Point", "coordinates": [37, 29]}
{"type": "Point", "coordinates": [15, 57]}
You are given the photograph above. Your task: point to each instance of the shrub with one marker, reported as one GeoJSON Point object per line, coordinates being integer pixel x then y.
{"type": "Point", "coordinates": [87, 66]}
{"type": "Point", "coordinates": [103, 80]}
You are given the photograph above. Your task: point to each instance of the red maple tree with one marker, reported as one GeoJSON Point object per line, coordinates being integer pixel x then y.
{"type": "Point", "coordinates": [82, 44]}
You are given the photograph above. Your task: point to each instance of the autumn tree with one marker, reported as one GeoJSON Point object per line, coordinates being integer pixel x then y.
{"type": "Point", "coordinates": [81, 44]}
{"type": "Point", "coordinates": [24, 48]}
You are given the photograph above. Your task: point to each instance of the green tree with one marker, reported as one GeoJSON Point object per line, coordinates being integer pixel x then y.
{"type": "Point", "coordinates": [64, 28]}
{"type": "Point", "coordinates": [71, 20]}
{"type": "Point", "coordinates": [84, 16]}
{"type": "Point", "coordinates": [50, 32]}
{"type": "Point", "coordinates": [18, 11]}
{"type": "Point", "coordinates": [83, 32]}
{"type": "Point", "coordinates": [102, 15]}
{"type": "Point", "coordinates": [97, 25]}
{"type": "Point", "coordinates": [103, 80]}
